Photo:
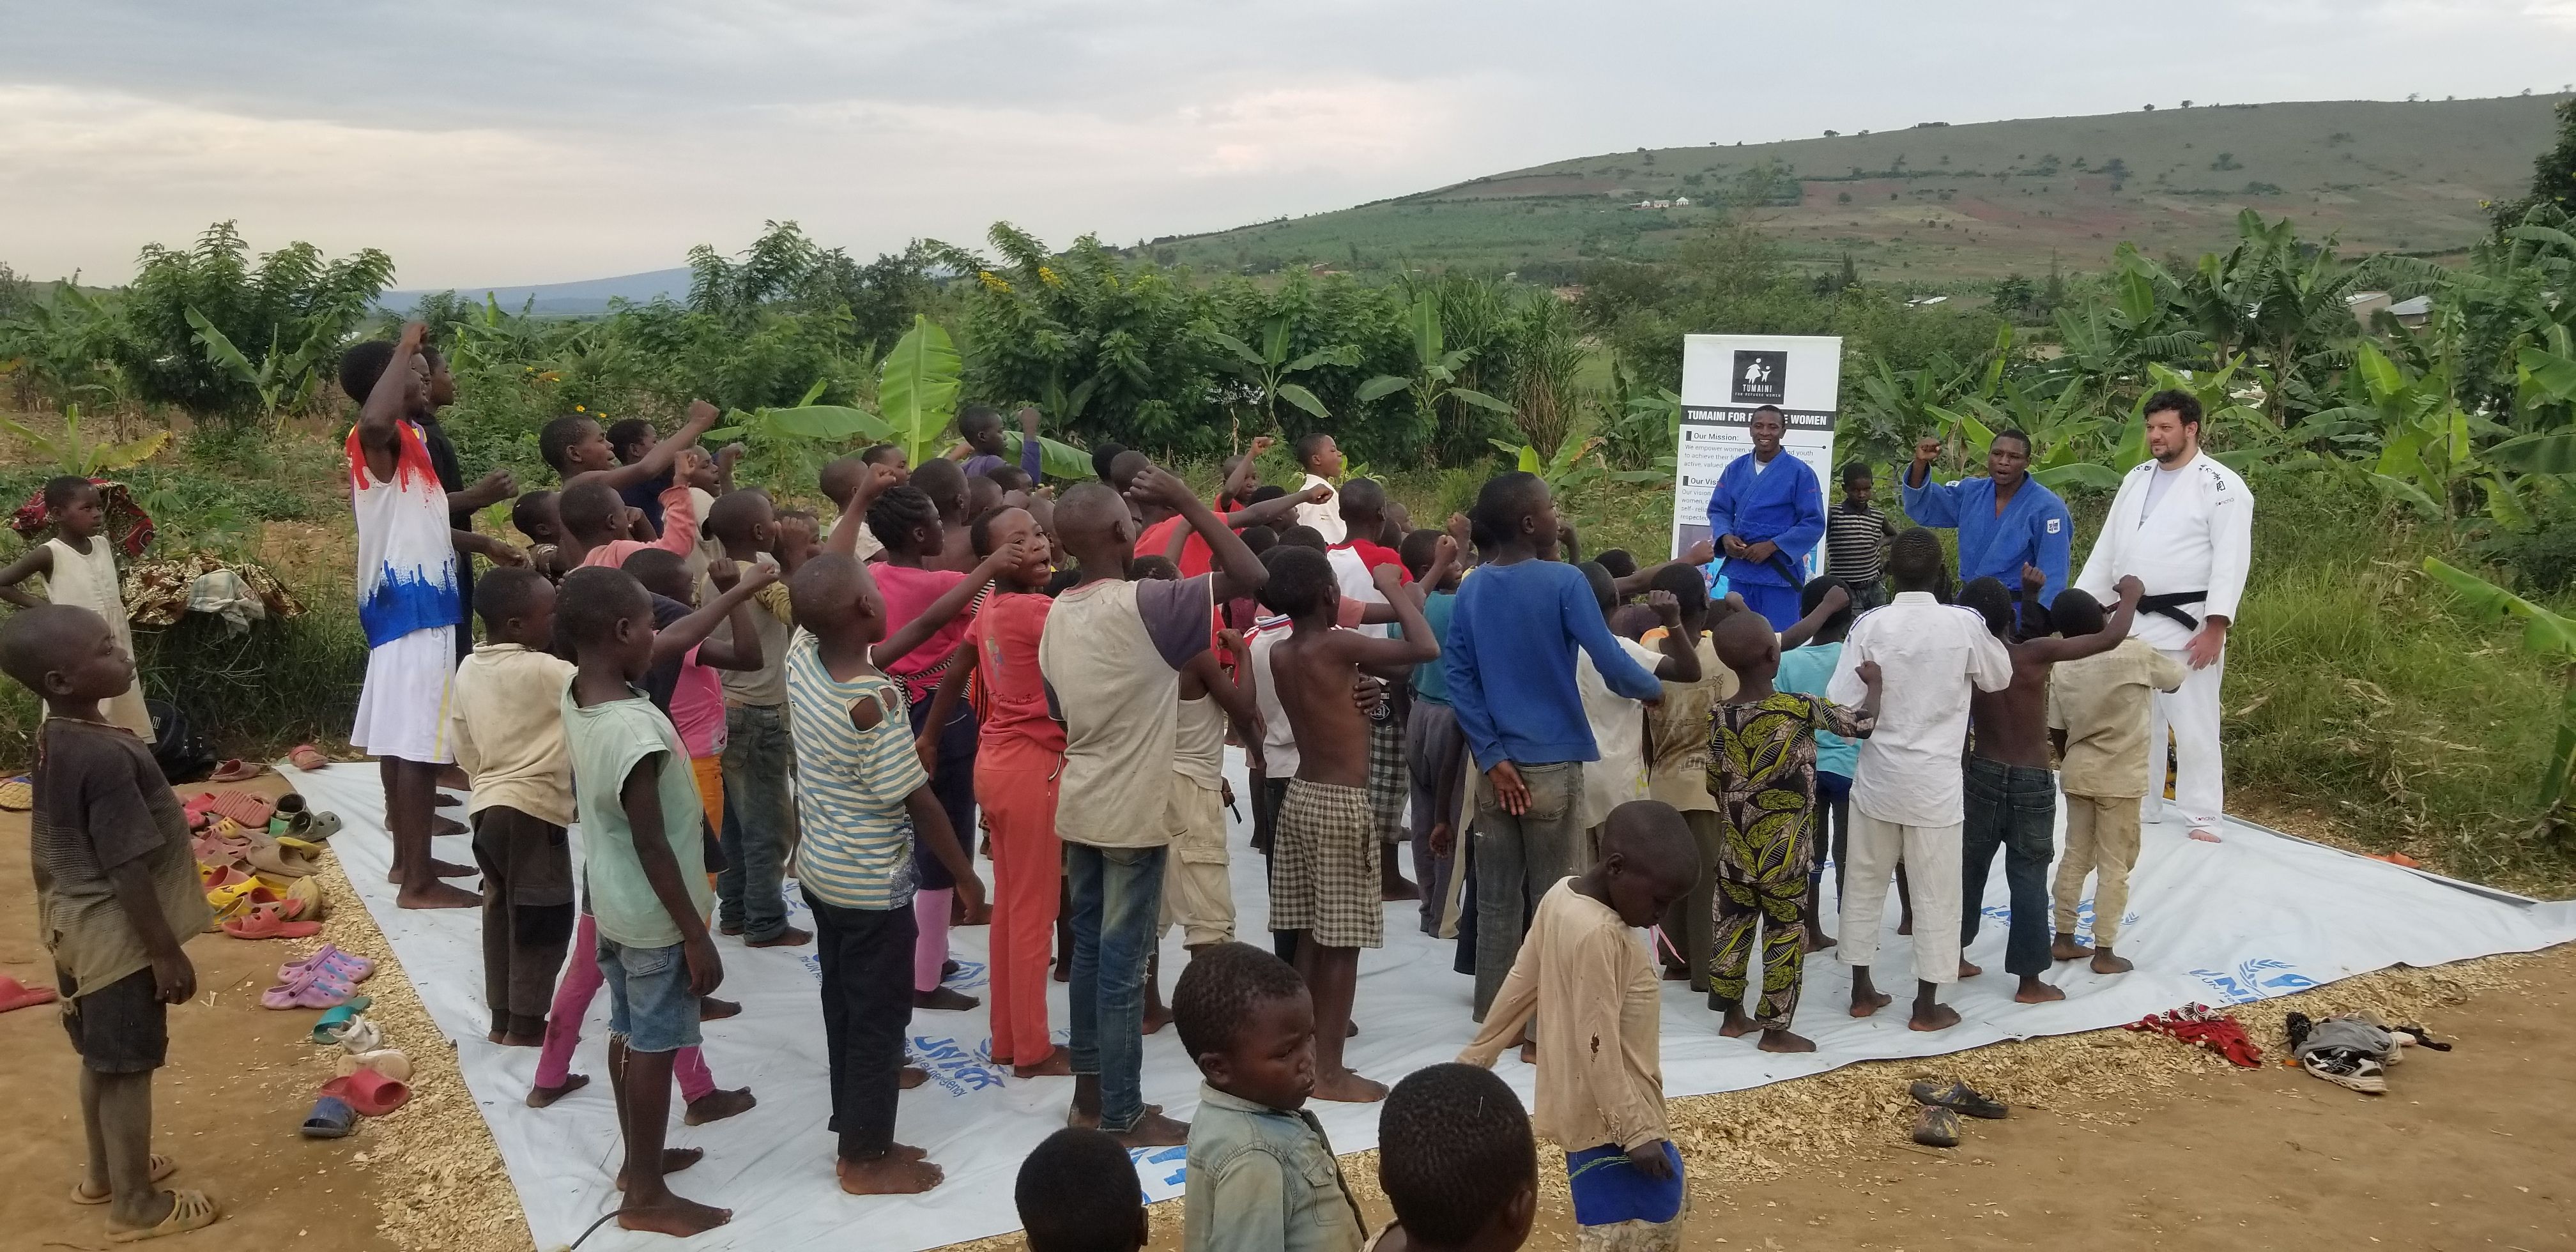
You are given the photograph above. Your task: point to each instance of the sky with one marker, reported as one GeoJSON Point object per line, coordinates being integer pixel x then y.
{"type": "Point", "coordinates": [531, 141]}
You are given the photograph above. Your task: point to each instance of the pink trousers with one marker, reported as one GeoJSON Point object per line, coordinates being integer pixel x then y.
{"type": "Point", "coordinates": [581, 982]}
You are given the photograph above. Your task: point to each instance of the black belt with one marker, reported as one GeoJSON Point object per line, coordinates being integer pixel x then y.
{"type": "Point", "coordinates": [2170, 605]}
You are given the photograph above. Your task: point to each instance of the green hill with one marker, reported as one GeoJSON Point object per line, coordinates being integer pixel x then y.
{"type": "Point", "coordinates": [1937, 203]}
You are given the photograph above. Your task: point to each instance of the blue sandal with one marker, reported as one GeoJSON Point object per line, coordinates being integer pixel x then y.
{"type": "Point", "coordinates": [335, 1020]}
{"type": "Point", "coordinates": [332, 1119]}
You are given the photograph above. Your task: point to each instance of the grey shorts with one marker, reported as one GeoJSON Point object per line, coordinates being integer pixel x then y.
{"type": "Point", "coordinates": [649, 1001]}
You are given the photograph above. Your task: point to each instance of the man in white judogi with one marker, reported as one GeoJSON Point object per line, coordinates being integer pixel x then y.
{"type": "Point", "coordinates": [2184, 525]}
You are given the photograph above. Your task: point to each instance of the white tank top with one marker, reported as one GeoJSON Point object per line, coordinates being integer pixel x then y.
{"type": "Point", "coordinates": [406, 558]}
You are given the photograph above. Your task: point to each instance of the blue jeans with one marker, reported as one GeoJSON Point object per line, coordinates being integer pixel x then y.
{"type": "Point", "coordinates": [2011, 808]}
{"type": "Point", "coordinates": [1117, 898]}
{"type": "Point", "coordinates": [756, 821]}
{"type": "Point", "coordinates": [649, 1001]}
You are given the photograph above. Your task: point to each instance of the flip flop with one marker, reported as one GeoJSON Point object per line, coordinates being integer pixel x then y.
{"type": "Point", "coordinates": [1960, 1097]}
{"type": "Point", "coordinates": [189, 1210]}
{"type": "Point", "coordinates": [269, 922]}
{"type": "Point", "coordinates": [250, 812]}
{"type": "Point", "coordinates": [389, 1062]}
{"type": "Point", "coordinates": [332, 1118]}
{"type": "Point", "coordinates": [162, 1167]}
{"type": "Point", "coordinates": [234, 769]}
{"type": "Point", "coordinates": [371, 1093]}
{"type": "Point", "coordinates": [306, 756]}
{"type": "Point", "coordinates": [18, 794]}
{"type": "Point", "coordinates": [17, 995]}
{"type": "Point", "coordinates": [363, 1036]}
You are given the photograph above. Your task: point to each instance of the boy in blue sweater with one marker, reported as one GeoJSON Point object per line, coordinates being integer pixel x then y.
{"type": "Point", "coordinates": [1510, 650]}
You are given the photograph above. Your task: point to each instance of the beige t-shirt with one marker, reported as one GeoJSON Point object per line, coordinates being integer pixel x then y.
{"type": "Point", "coordinates": [1112, 653]}
{"type": "Point", "coordinates": [505, 718]}
{"type": "Point", "coordinates": [1677, 732]}
{"type": "Point", "coordinates": [1618, 730]}
{"type": "Point", "coordinates": [2104, 704]}
{"type": "Point", "coordinates": [1600, 1021]}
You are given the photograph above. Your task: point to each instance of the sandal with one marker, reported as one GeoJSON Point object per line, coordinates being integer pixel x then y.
{"type": "Point", "coordinates": [329, 958]}
{"type": "Point", "coordinates": [1960, 1097]}
{"type": "Point", "coordinates": [290, 817]}
{"type": "Point", "coordinates": [323, 826]}
{"type": "Point", "coordinates": [16, 995]}
{"type": "Point", "coordinates": [389, 1062]}
{"type": "Point", "coordinates": [271, 857]}
{"type": "Point", "coordinates": [18, 794]}
{"type": "Point", "coordinates": [268, 921]}
{"type": "Point", "coordinates": [362, 1036]}
{"type": "Point", "coordinates": [189, 1210]}
{"type": "Point", "coordinates": [306, 756]}
{"type": "Point", "coordinates": [332, 1118]}
{"type": "Point", "coordinates": [334, 1025]}
{"type": "Point", "coordinates": [234, 769]}
{"type": "Point", "coordinates": [250, 812]}
{"type": "Point", "coordinates": [371, 1093]}
{"type": "Point", "coordinates": [162, 1167]}
{"type": "Point", "coordinates": [1937, 1127]}
{"type": "Point", "coordinates": [307, 994]}
{"type": "Point", "coordinates": [305, 901]}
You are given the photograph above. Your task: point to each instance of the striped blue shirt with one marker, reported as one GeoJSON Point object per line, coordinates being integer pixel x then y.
{"type": "Point", "coordinates": [855, 851]}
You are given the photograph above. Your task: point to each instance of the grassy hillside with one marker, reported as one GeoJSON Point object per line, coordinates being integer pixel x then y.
{"type": "Point", "coordinates": [1938, 203]}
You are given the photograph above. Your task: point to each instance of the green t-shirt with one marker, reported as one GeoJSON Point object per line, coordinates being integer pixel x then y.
{"type": "Point", "coordinates": [607, 741]}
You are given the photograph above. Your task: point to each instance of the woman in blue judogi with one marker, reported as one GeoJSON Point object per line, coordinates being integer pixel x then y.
{"type": "Point", "coordinates": [2031, 527]}
{"type": "Point", "coordinates": [1767, 514]}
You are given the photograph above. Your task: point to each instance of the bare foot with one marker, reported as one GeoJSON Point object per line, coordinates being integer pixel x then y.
{"type": "Point", "coordinates": [539, 1097]}
{"type": "Point", "coordinates": [437, 895]}
{"type": "Point", "coordinates": [1350, 1030]}
{"type": "Point", "coordinates": [728, 928]}
{"type": "Point", "coordinates": [788, 938]}
{"type": "Point", "coordinates": [437, 869]}
{"type": "Point", "coordinates": [441, 826]}
{"type": "Point", "coordinates": [1906, 927]}
{"type": "Point", "coordinates": [1819, 941]}
{"type": "Point", "coordinates": [948, 970]}
{"type": "Point", "coordinates": [1156, 1018]}
{"type": "Point", "coordinates": [443, 801]}
{"type": "Point", "coordinates": [1156, 1131]}
{"type": "Point", "coordinates": [1676, 973]}
{"type": "Point", "coordinates": [1348, 1088]}
{"type": "Point", "coordinates": [1529, 1053]}
{"type": "Point", "coordinates": [493, 1035]}
{"type": "Point", "coordinates": [711, 1009]}
{"type": "Point", "coordinates": [1783, 1041]}
{"type": "Point", "coordinates": [1969, 971]}
{"type": "Point", "coordinates": [2206, 835]}
{"type": "Point", "coordinates": [1736, 1025]}
{"type": "Point", "coordinates": [2105, 963]}
{"type": "Point", "coordinates": [907, 1152]}
{"type": "Point", "coordinates": [2033, 991]}
{"type": "Point", "coordinates": [945, 1000]}
{"type": "Point", "coordinates": [672, 1215]}
{"type": "Point", "coordinates": [1938, 1017]}
{"type": "Point", "coordinates": [673, 1161]}
{"type": "Point", "coordinates": [1059, 1064]}
{"type": "Point", "coordinates": [914, 1076]}
{"type": "Point", "coordinates": [2067, 949]}
{"type": "Point", "coordinates": [888, 1175]}
{"type": "Point", "coordinates": [715, 1106]}
{"type": "Point", "coordinates": [1864, 1005]}
{"type": "Point", "coordinates": [536, 1039]}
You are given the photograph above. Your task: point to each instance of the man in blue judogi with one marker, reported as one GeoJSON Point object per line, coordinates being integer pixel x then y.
{"type": "Point", "coordinates": [1767, 514]}
{"type": "Point", "coordinates": [2005, 520]}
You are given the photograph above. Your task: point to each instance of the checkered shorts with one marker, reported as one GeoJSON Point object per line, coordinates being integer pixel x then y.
{"type": "Point", "coordinates": [1324, 867]}
{"type": "Point", "coordinates": [1387, 783]}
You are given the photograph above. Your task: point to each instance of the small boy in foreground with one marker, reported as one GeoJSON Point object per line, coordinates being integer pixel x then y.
{"type": "Point", "coordinates": [117, 889]}
{"type": "Point", "coordinates": [2099, 711]}
{"type": "Point", "coordinates": [1077, 1192]}
{"type": "Point", "coordinates": [1598, 1001]}
{"type": "Point", "coordinates": [1255, 1154]}
{"type": "Point", "coordinates": [1457, 1163]}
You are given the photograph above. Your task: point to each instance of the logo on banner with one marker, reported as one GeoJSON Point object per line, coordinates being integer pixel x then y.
{"type": "Point", "coordinates": [2256, 979]}
{"type": "Point", "coordinates": [1761, 377]}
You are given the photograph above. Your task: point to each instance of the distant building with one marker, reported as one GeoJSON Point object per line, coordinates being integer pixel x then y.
{"type": "Point", "coordinates": [2412, 313]}
{"type": "Point", "coordinates": [1919, 302]}
{"type": "Point", "coordinates": [2365, 303]}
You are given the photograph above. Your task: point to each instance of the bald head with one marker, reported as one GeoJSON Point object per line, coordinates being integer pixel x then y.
{"type": "Point", "coordinates": [1651, 838]}
{"type": "Point", "coordinates": [46, 639]}
{"type": "Point", "coordinates": [1745, 644]}
{"type": "Point", "coordinates": [1095, 525]}
{"type": "Point", "coordinates": [1363, 505]}
{"type": "Point", "coordinates": [1124, 467]}
{"type": "Point", "coordinates": [829, 591]}
{"type": "Point", "coordinates": [841, 479]}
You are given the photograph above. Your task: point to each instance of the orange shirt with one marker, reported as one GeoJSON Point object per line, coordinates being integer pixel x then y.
{"type": "Point", "coordinates": [1018, 732]}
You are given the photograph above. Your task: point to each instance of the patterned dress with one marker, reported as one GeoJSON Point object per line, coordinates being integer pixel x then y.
{"type": "Point", "coordinates": [1762, 773]}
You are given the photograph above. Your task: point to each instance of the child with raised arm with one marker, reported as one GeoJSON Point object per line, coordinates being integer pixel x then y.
{"type": "Point", "coordinates": [1435, 754]}
{"type": "Point", "coordinates": [533, 515]}
{"type": "Point", "coordinates": [644, 872]}
{"type": "Point", "coordinates": [1619, 722]}
{"type": "Point", "coordinates": [1457, 1162]}
{"type": "Point", "coordinates": [79, 568]}
{"type": "Point", "coordinates": [1261, 1174]}
{"type": "Point", "coordinates": [1677, 741]}
{"type": "Point", "coordinates": [861, 792]}
{"type": "Point", "coordinates": [1112, 652]}
{"type": "Point", "coordinates": [1324, 878]}
{"type": "Point", "coordinates": [1806, 669]}
{"type": "Point", "coordinates": [2011, 801]}
{"type": "Point", "coordinates": [580, 452]}
{"type": "Point", "coordinates": [1588, 979]}
{"type": "Point", "coordinates": [117, 892]}
{"type": "Point", "coordinates": [758, 811]}
{"type": "Point", "coordinates": [1762, 772]}
{"type": "Point", "coordinates": [2100, 709]}
{"type": "Point", "coordinates": [981, 442]}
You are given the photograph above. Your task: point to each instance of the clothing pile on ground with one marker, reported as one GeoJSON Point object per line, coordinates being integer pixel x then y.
{"type": "Point", "coordinates": [2205, 1027]}
{"type": "Point", "coordinates": [2353, 1049]}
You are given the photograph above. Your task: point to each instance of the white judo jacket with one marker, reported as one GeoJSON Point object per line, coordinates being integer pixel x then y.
{"type": "Point", "coordinates": [2199, 538]}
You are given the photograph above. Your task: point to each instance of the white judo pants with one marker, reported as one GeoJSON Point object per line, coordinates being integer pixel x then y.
{"type": "Point", "coordinates": [2200, 776]}
{"type": "Point", "coordinates": [1932, 875]}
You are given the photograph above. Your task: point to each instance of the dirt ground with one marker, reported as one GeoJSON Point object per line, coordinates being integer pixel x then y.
{"type": "Point", "coordinates": [2469, 1150]}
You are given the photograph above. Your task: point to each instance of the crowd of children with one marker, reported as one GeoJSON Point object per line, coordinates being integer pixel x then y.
{"type": "Point", "coordinates": [724, 692]}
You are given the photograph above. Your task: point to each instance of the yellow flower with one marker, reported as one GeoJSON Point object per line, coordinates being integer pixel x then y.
{"type": "Point", "coordinates": [578, 409]}
{"type": "Point", "coordinates": [1048, 276]}
{"type": "Point", "coordinates": [992, 280]}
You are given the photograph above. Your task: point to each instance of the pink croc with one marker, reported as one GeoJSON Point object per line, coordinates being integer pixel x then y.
{"type": "Point", "coordinates": [303, 995]}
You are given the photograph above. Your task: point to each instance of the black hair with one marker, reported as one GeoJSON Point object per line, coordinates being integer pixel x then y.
{"type": "Point", "coordinates": [944, 481]}
{"type": "Point", "coordinates": [1504, 501]}
{"type": "Point", "coordinates": [734, 514]}
{"type": "Point", "coordinates": [626, 432]}
{"type": "Point", "coordinates": [1603, 589]}
{"type": "Point", "coordinates": [1258, 538]}
{"type": "Point", "coordinates": [841, 478]}
{"type": "Point", "coordinates": [36, 641]}
{"type": "Point", "coordinates": [1062, 581]}
{"type": "Point", "coordinates": [62, 489]}
{"type": "Point", "coordinates": [1419, 549]}
{"type": "Point", "coordinates": [1265, 493]}
{"type": "Point", "coordinates": [1308, 445]}
{"type": "Point", "coordinates": [1772, 409]}
{"type": "Point", "coordinates": [1914, 561]}
{"type": "Point", "coordinates": [1686, 583]}
{"type": "Point", "coordinates": [1215, 996]}
{"type": "Point", "coordinates": [1101, 457]}
{"type": "Point", "coordinates": [528, 512]}
{"type": "Point", "coordinates": [660, 568]}
{"type": "Point", "coordinates": [1454, 1146]}
{"type": "Point", "coordinates": [894, 514]}
{"type": "Point", "coordinates": [1361, 497]}
{"type": "Point", "coordinates": [556, 438]}
{"type": "Point", "coordinates": [363, 365]}
{"type": "Point", "coordinates": [1124, 467]}
{"type": "Point", "coordinates": [588, 508]}
{"type": "Point", "coordinates": [982, 496]}
{"type": "Point", "coordinates": [1149, 567]}
{"type": "Point", "coordinates": [504, 593]}
{"type": "Point", "coordinates": [979, 532]}
{"type": "Point", "coordinates": [1009, 478]}
{"type": "Point", "coordinates": [2075, 612]}
{"type": "Point", "coordinates": [2016, 433]}
{"type": "Point", "coordinates": [593, 599]}
{"type": "Point", "coordinates": [976, 415]}
{"type": "Point", "coordinates": [1077, 1192]}
{"type": "Point", "coordinates": [1992, 602]}
{"type": "Point", "coordinates": [1303, 537]}
{"type": "Point", "coordinates": [1619, 561]}
{"type": "Point", "coordinates": [1813, 594]}
{"type": "Point", "coordinates": [2176, 401]}
{"type": "Point", "coordinates": [1855, 470]}
{"type": "Point", "coordinates": [875, 453]}
{"type": "Point", "coordinates": [1300, 578]}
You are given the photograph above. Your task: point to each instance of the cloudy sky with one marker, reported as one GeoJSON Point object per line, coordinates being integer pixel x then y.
{"type": "Point", "coordinates": [532, 141]}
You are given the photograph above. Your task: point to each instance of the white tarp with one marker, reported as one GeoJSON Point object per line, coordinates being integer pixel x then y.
{"type": "Point", "coordinates": [2259, 915]}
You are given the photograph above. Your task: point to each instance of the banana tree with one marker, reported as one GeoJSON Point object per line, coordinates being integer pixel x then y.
{"type": "Point", "coordinates": [2549, 635]}
{"type": "Point", "coordinates": [1268, 369]}
{"type": "Point", "coordinates": [917, 390]}
{"type": "Point", "coordinates": [1896, 407]}
{"type": "Point", "coordinates": [1435, 375]}
{"type": "Point", "coordinates": [281, 378]}
{"type": "Point", "coordinates": [73, 452]}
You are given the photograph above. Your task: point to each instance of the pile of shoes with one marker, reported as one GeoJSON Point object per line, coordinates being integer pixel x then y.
{"type": "Point", "coordinates": [2353, 1049]}
{"type": "Point", "coordinates": [370, 1079]}
{"type": "Point", "coordinates": [1937, 1125]}
{"type": "Point", "coordinates": [328, 979]}
{"type": "Point", "coordinates": [257, 858]}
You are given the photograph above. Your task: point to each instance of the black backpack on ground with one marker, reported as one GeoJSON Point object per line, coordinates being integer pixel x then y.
{"type": "Point", "coordinates": [182, 753]}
